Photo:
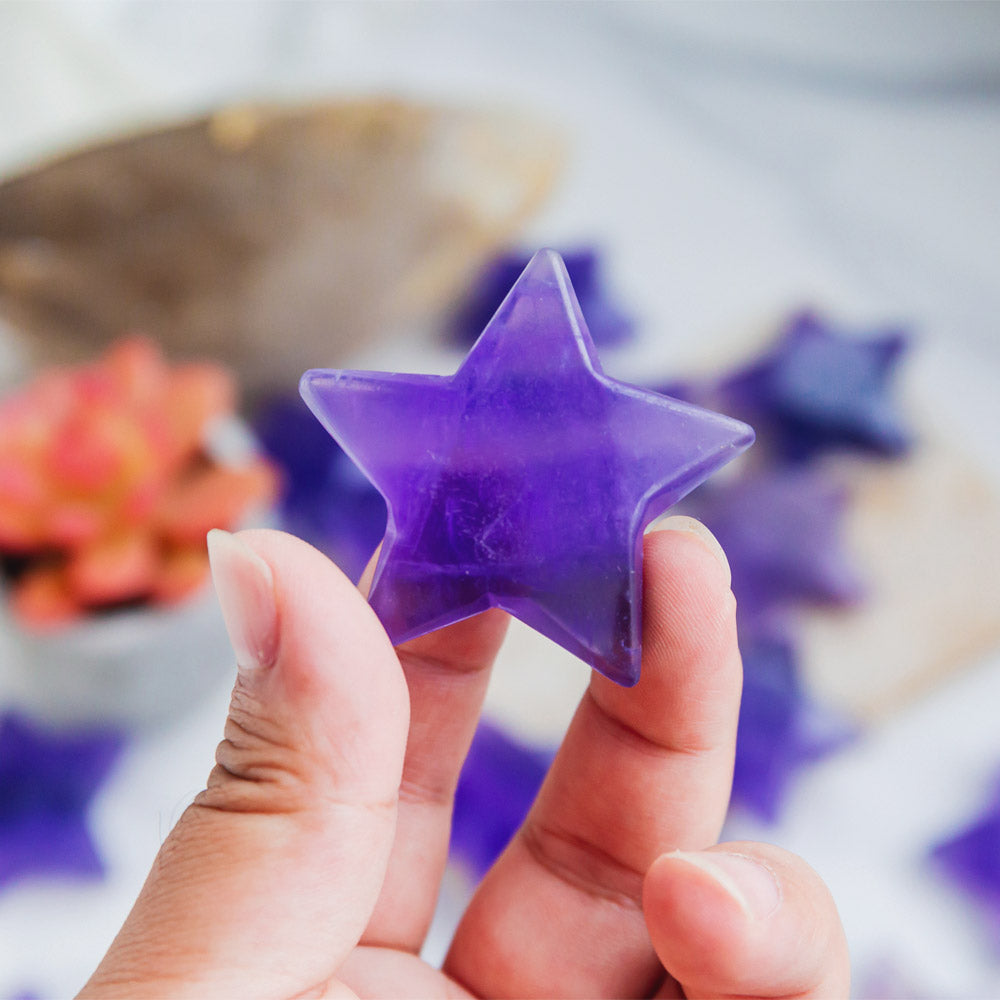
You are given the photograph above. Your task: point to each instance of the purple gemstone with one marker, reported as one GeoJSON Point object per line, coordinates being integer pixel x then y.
{"type": "Point", "coordinates": [499, 781]}
{"type": "Point", "coordinates": [609, 326]}
{"type": "Point", "coordinates": [523, 481]}
{"type": "Point", "coordinates": [326, 500]}
{"type": "Point", "coordinates": [783, 534]}
{"type": "Point", "coordinates": [972, 858]}
{"type": "Point", "coordinates": [47, 780]}
{"type": "Point", "coordinates": [780, 729]}
{"type": "Point", "coordinates": [818, 389]}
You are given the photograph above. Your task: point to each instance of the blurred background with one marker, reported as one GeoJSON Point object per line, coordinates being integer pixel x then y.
{"type": "Point", "coordinates": [200, 200]}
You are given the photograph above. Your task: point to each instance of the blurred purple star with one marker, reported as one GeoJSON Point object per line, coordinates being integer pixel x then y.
{"type": "Point", "coordinates": [47, 781]}
{"type": "Point", "coordinates": [782, 531]}
{"type": "Point", "coordinates": [327, 501]}
{"type": "Point", "coordinates": [780, 730]}
{"type": "Point", "coordinates": [972, 859]}
{"type": "Point", "coordinates": [498, 783]}
{"type": "Point", "coordinates": [818, 389]}
{"type": "Point", "coordinates": [609, 326]}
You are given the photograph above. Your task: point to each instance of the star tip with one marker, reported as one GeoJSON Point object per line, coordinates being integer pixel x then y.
{"type": "Point", "coordinates": [745, 436]}
{"type": "Point", "coordinates": [546, 259]}
{"type": "Point", "coordinates": [622, 670]}
{"type": "Point", "coordinates": [308, 382]}
{"type": "Point", "coordinates": [739, 438]}
{"type": "Point", "coordinates": [548, 253]}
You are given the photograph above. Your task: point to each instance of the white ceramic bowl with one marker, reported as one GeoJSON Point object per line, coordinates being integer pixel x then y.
{"type": "Point", "coordinates": [133, 668]}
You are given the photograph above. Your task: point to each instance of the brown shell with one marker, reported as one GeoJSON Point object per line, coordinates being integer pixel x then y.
{"type": "Point", "coordinates": [273, 239]}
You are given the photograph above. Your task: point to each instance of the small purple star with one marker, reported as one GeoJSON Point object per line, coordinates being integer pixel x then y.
{"type": "Point", "coordinates": [783, 534]}
{"type": "Point", "coordinates": [498, 784]}
{"type": "Point", "coordinates": [818, 389]}
{"type": "Point", "coordinates": [46, 783]}
{"type": "Point", "coordinates": [326, 500]}
{"type": "Point", "coordinates": [780, 731]}
{"type": "Point", "coordinates": [609, 326]}
{"type": "Point", "coordinates": [972, 858]}
{"type": "Point", "coordinates": [523, 481]}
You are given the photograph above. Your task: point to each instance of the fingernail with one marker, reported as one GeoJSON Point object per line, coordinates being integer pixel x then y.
{"type": "Point", "coordinates": [245, 588]}
{"type": "Point", "coordinates": [681, 522]}
{"type": "Point", "coordinates": [752, 884]}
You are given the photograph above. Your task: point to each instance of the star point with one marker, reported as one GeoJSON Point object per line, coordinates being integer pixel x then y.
{"type": "Point", "coordinates": [781, 730]}
{"type": "Point", "coordinates": [784, 533]}
{"type": "Point", "coordinates": [819, 389]}
{"type": "Point", "coordinates": [523, 481]}
{"type": "Point", "coordinates": [48, 780]}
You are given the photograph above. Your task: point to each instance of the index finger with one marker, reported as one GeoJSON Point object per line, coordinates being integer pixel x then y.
{"type": "Point", "coordinates": [447, 673]}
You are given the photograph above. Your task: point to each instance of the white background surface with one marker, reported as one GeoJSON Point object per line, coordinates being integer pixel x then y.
{"type": "Point", "coordinates": [734, 162]}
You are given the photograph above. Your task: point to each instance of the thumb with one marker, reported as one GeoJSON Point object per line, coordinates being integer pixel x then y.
{"type": "Point", "coordinates": [745, 920]}
{"type": "Point", "coordinates": [268, 879]}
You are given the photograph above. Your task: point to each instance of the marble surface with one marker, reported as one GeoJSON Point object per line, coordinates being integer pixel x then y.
{"type": "Point", "coordinates": [734, 166]}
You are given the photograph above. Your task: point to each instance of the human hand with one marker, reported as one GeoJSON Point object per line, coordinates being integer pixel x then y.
{"type": "Point", "coordinates": [310, 864]}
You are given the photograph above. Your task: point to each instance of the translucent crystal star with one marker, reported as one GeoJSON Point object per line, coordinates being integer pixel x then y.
{"type": "Point", "coordinates": [326, 500]}
{"type": "Point", "coordinates": [972, 859]}
{"type": "Point", "coordinates": [783, 532]}
{"type": "Point", "coordinates": [523, 481]}
{"type": "Point", "coordinates": [818, 388]}
{"type": "Point", "coordinates": [47, 781]}
{"type": "Point", "coordinates": [608, 323]}
{"type": "Point", "coordinates": [781, 730]}
{"type": "Point", "coordinates": [499, 781]}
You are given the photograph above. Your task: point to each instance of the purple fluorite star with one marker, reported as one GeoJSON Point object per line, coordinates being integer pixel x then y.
{"type": "Point", "coordinates": [499, 781]}
{"type": "Point", "coordinates": [783, 534]}
{"type": "Point", "coordinates": [326, 500]}
{"type": "Point", "coordinates": [608, 324]}
{"type": "Point", "coordinates": [972, 858]}
{"type": "Point", "coordinates": [780, 729]}
{"type": "Point", "coordinates": [818, 388]}
{"type": "Point", "coordinates": [46, 783]}
{"type": "Point", "coordinates": [523, 481]}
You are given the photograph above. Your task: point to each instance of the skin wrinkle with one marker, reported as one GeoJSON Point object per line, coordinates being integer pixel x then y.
{"type": "Point", "coordinates": [635, 740]}
{"type": "Point", "coordinates": [584, 866]}
{"type": "Point", "coordinates": [264, 761]}
{"type": "Point", "coordinates": [423, 780]}
{"type": "Point", "coordinates": [253, 774]}
{"type": "Point", "coordinates": [316, 992]}
{"type": "Point", "coordinates": [433, 795]}
{"type": "Point", "coordinates": [243, 780]}
{"type": "Point", "coordinates": [714, 605]}
{"type": "Point", "coordinates": [448, 667]}
{"type": "Point", "coordinates": [662, 641]}
{"type": "Point", "coordinates": [263, 742]}
{"type": "Point", "coordinates": [697, 732]}
{"type": "Point", "coordinates": [248, 716]}
{"type": "Point", "coordinates": [210, 800]}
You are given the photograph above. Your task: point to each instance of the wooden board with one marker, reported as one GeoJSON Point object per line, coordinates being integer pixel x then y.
{"type": "Point", "coordinates": [925, 532]}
